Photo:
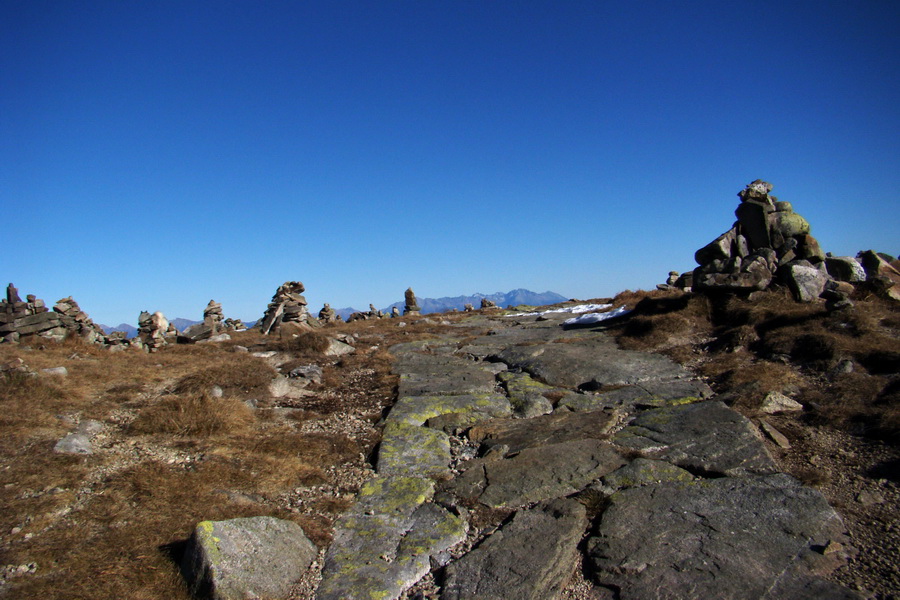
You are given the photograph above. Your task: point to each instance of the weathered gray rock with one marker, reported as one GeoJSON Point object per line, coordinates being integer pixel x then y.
{"type": "Point", "coordinates": [60, 371]}
{"type": "Point", "coordinates": [723, 538]}
{"type": "Point", "coordinates": [518, 434]}
{"type": "Point", "coordinates": [526, 395]}
{"type": "Point", "coordinates": [530, 558]}
{"type": "Point", "coordinates": [776, 402]}
{"type": "Point", "coordinates": [256, 557]}
{"type": "Point", "coordinates": [426, 374]}
{"type": "Point", "coordinates": [383, 543]}
{"type": "Point", "coordinates": [338, 348]}
{"type": "Point", "coordinates": [413, 450]}
{"type": "Point", "coordinates": [74, 443]}
{"type": "Point", "coordinates": [806, 283]}
{"type": "Point", "coordinates": [537, 474]}
{"type": "Point", "coordinates": [416, 410]}
{"type": "Point", "coordinates": [706, 437]}
{"type": "Point", "coordinates": [590, 364]}
{"type": "Point", "coordinates": [642, 471]}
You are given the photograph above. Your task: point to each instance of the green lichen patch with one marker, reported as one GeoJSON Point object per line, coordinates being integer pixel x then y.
{"type": "Point", "coordinates": [416, 410]}
{"type": "Point", "coordinates": [412, 450]}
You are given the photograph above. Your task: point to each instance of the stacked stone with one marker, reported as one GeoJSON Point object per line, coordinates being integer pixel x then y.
{"type": "Point", "coordinates": [152, 330]}
{"type": "Point", "coordinates": [234, 325]}
{"type": "Point", "coordinates": [374, 313]}
{"type": "Point", "coordinates": [327, 315]}
{"type": "Point", "coordinates": [768, 242]}
{"type": "Point", "coordinates": [468, 308]}
{"type": "Point", "coordinates": [76, 320]}
{"type": "Point", "coordinates": [287, 310]}
{"type": "Point", "coordinates": [485, 303]}
{"type": "Point", "coordinates": [31, 317]}
{"type": "Point", "coordinates": [213, 316]}
{"type": "Point", "coordinates": [412, 305]}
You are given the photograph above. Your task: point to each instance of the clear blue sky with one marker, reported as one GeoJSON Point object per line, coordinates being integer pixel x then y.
{"type": "Point", "coordinates": [155, 155]}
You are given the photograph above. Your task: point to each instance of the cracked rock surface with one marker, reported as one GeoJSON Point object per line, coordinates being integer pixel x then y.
{"type": "Point", "coordinates": [515, 456]}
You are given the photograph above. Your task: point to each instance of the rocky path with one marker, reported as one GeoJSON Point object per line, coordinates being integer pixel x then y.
{"type": "Point", "coordinates": [512, 458]}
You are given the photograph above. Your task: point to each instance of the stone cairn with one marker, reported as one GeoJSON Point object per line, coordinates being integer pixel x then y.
{"type": "Point", "coordinates": [395, 312]}
{"type": "Point", "coordinates": [328, 315]}
{"type": "Point", "coordinates": [74, 319]}
{"type": "Point", "coordinates": [31, 317]}
{"type": "Point", "coordinates": [485, 303]}
{"type": "Point", "coordinates": [287, 310]}
{"type": "Point", "coordinates": [153, 329]}
{"type": "Point", "coordinates": [468, 307]}
{"type": "Point", "coordinates": [213, 323]}
{"type": "Point", "coordinates": [412, 305]}
{"type": "Point", "coordinates": [770, 244]}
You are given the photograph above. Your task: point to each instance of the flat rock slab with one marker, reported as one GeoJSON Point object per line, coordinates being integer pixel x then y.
{"type": "Point", "coordinates": [413, 450]}
{"type": "Point", "coordinates": [530, 558]}
{"type": "Point", "coordinates": [256, 557]}
{"type": "Point", "coordinates": [746, 537]}
{"type": "Point", "coordinates": [526, 396]}
{"type": "Point", "coordinates": [706, 437]}
{"type": "Point", "coordinates": [519, 434]}
{"type": "Point", "coordinates": [428, 374]}
{"type": "Point", "coordinates": [642, 471]}
{"type": "Point", "coordinates": [536, 474]}
{"type": "Point", "coordinates": [382, 545]}
{"type": "Point", "coordinates": [417, 410]}
{"type": "Point", "coordinates": [590, 363]}
{"type": "Point", "coordinates": [650, 393]}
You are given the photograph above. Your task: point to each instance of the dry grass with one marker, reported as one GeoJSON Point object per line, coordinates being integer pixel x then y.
{"type": "Point", "coordinates": [748, 347]}
{"type": "Point", "coordinates": [194, 415]}
{"type": "Point", "coordinates": [109, 525]}
{"type": "Point", "coordinates": [234, 373]}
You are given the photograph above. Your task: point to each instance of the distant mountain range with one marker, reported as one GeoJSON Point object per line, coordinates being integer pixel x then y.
{"type": "Point", "coordinates": [428, 306]}
{"type": "Point", "coordinates": [501, 299]}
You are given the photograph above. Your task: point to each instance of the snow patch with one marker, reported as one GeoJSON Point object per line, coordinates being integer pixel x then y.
{"type": "Point", "coordinates": [575, 310]}
{"type": "Point", "coordinates": [592, 318]}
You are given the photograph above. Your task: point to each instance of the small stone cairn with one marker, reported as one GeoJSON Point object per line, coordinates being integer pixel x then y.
{"type": "Point", "coordinates": [153, 329]}
{"type": "Point", "coordinates": [485, 303]}
{"type": "Point", "coordinates": [412, 305]}
{"type": "Point", "coordinates": [468, 307]}
{"type": "Point", "coordinates": [328, 315]}
{"type": "Point", "coordinates": [287, 310]}
{"type": "Point", "coordinates": [214, 322]}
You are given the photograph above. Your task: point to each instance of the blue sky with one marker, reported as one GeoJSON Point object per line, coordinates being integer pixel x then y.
{"type": "Point", "coordinates": [155, 155]}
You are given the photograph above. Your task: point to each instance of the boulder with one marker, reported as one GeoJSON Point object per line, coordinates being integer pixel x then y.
{"type": "Point", "coordinates": [845, 268]}
{"type": "Point", "coordinates": [256, 557]}
{"type": "Point", "coordinates": [805, 282]}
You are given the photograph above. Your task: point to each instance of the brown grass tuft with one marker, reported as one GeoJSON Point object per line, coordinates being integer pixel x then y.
{"type": "Point", "coordinates": [234, 373]}
{"type": "Point", "coordinates": [194, 414]}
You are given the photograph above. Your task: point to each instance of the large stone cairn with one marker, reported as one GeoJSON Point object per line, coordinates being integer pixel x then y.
{"type": "Point", "coordinates": [152, 330]}
{"type": "Point", "coordinates": [412, 305]}
{"type": "Point", "coordinates": [31, 317]}
{"type": "Point", "coordinates": [287, 310]}
{"type": "Point", "coordinates": [769, 242]}
{"type": "Point", "coordinates": [76, 320]}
